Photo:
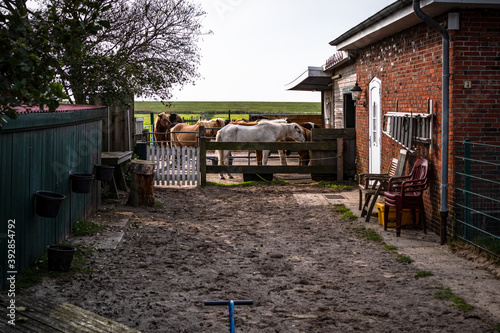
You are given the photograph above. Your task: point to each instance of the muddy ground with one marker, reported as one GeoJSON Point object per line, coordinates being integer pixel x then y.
{"type": "Point", "coordinates": [305, 267]}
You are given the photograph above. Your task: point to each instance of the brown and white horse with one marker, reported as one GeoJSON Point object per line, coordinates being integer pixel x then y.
{"type": "Point", "coordinates": [304, 157]}
{"type": "Point", "coordinates": [185, 135]}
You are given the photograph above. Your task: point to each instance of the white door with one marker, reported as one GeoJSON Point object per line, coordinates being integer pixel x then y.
{"type": "Point", "coordinates": [375, 140]}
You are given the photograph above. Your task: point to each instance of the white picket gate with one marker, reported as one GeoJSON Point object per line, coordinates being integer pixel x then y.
{"type": "Point", "coordinates": [175, 166]}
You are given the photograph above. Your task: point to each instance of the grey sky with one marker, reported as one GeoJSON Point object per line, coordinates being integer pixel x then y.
{"type": "Point", "coordinates": [259, 46]}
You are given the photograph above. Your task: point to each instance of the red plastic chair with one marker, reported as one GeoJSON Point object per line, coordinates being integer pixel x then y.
{"type": "Point", "coordinates": [406, 192]}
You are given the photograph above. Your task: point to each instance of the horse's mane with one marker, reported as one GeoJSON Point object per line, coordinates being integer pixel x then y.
{"type": "Point", "coordinates": [307, 133]}
{"type": "Point", "coordinates": [175, 118]}
{"type": "Point", "coordinates": [218, 122]}
{"type": "Point", "coordinates": [243, 122]}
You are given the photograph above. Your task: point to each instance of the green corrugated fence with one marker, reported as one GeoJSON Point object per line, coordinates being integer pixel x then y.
{"type": "Point", "coordinates": [39, 151]}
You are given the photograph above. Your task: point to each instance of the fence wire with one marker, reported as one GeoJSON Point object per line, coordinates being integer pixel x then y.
{"type": "Point", "coordinates": [477, 195]}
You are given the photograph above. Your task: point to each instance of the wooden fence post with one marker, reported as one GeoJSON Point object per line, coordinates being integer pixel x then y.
{"type": "Point", "coordinates": [340, 159]}
{"type": "Point", "coordinates": [202, 145]}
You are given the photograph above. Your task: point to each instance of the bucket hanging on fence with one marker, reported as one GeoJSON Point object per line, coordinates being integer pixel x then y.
{"type": "Point", "coordinates": [60, 257]}
{"type": "Point", "coordinates": [81, 182]}
{"type": "Point", "coordinates": [104, 172]}
{"type": "Point", "coordinates": [47, 203]}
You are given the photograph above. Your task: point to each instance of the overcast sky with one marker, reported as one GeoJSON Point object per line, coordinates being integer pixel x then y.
{"type": "Point", "coordinates": [259, 46]}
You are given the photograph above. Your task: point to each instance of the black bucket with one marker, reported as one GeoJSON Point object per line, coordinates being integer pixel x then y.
{"type": "Point", "coordinates": [104, 172]}
{"type": "Point", "coordinates": [81, 182]}
{"type": "Point", "coordinates": [60, 257]}
{"type": "Point", "coordinates": [47, 203]}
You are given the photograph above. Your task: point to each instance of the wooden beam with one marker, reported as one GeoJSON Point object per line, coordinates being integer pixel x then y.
{"type": "Point", "coordinates": [340, 159]}
{"type": "Point", "coordinates": [333, 133]}
{"type": "Point", "coordinates": [320, 169]}
{"type": "Point", "coordinates": [43, 315]}
{"type": "Point", "coordinates": [203, 156]}
{"type": "Point", "coordinates": [332, 145]}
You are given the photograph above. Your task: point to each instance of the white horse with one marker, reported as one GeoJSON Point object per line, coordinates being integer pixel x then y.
{"type": "Point", "coordinates": [262, 132]}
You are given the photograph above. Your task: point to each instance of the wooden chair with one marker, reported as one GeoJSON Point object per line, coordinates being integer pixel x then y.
{"type": "Point", "coordinates": [364, 186]}
{"type": "Point", "coordinates": [372, 185]}
{"type": "Point", "coordinates": [406, 192]}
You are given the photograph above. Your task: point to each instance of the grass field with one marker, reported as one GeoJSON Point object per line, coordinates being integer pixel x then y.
{"type": "Point", "coordinates": [209, 110]}
{"type": "Point", "coordinates": [224, 107]}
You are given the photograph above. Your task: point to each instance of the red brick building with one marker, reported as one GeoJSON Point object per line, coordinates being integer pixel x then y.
{"type": "Point", "coordinates": [397, 60]}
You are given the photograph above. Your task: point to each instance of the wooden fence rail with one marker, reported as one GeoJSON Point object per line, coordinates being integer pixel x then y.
{"type": "Point", "coordinates": [332, 154]}
{"type": "Point", "coordinates": [330, 168]}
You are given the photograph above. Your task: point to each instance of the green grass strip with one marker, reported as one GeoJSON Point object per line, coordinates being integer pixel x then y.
{"type": "Point", "coordinates": [86, 228]}
{"type": "Point", "coordinates": [447, 295]}
{"type": "Point", "coordinates": [422, 273]}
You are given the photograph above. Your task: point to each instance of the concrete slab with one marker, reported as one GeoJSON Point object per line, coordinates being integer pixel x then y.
{"type": "Point", "coordinates": [310, 199]}
{"type": "Point", "coordinates": [336, 199]}
{"type": "Point", "coordinates": [106, 241]}
{"type": "Point", "coordinates": [121, 220]}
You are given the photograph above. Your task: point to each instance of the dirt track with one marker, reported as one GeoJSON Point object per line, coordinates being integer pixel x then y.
{"type": "Point", "coordinates": [306, 269]}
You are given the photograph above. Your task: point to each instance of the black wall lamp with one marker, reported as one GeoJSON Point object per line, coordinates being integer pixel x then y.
{"type": "Point", "coordinates": [356, 94]}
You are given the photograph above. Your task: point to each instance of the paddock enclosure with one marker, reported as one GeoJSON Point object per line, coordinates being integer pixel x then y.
{"type": "Point", "coordinates": [332, 158]}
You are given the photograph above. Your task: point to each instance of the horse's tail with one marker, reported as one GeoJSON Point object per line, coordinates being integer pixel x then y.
{"type": "Point", "coordinates": [220, 153]}
{"type": "Point", "coordinates": [218, 136]}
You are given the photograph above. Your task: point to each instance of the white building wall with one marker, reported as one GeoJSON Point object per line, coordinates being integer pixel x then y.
{"type": "Point", "coordinates": [347, 81]}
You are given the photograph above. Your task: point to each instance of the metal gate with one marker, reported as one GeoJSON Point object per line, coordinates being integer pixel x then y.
{"type": "Point", "coordinates": [175, 166]}
{"type": "Point", "coordinates": [477, 195]}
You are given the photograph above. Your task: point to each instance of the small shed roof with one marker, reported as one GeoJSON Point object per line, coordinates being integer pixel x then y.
{"type": "Point", "coordinates": [61, 108]}
{"type": "Point", "coordinates": [313, 79]}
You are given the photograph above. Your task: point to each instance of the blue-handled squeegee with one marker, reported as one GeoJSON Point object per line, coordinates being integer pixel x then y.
{"type": "Point", "coordinates": [230, 305]}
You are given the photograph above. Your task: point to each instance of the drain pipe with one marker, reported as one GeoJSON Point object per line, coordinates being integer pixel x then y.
{"type": "Point", "coordinates": [445, 121]}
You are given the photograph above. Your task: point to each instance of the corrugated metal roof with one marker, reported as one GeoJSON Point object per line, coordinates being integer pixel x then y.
{"type": "Point", "coordinates": [61, 108]}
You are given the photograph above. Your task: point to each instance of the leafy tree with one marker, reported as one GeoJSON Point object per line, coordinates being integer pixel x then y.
{"type": "Point", "coordinates": [88, 50]}
{"type": "Point", "coordinates": [147, 48]}
{"type": "Point", "coordinates": [28, 59]}
{"type": "Point", "coordinates": [26, 67]}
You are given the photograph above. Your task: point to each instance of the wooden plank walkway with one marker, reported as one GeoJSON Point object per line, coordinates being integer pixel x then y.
{"type": "Point", "coordinates": [41, 315]}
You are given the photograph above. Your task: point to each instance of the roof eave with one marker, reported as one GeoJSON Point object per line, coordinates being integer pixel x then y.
{"type": "Point", "coordinates": [313, 79]}
{"type": "Point", "coordinates": [398, 17]}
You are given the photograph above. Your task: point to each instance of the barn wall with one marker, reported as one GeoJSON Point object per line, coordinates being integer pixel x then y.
{"type": "Point", "coordinates": [118, 128]}
{"type": "Point", "coordinates": [329, 116]}
{"type": "Point", "coordinates": [410, 69]}
{"type": "Point", "coordinates": [38, 152]}
{"type": "Point", "coordinates": [347, 81]}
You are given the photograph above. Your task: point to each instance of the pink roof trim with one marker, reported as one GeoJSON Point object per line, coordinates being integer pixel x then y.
{"type": "Point", "coordinates": [61, 108]}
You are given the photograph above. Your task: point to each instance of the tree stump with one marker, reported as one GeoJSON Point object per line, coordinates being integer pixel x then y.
{"type": "Point", "coordinates": [141, 183]}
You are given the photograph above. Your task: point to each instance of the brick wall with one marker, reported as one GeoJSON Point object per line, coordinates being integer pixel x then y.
{"type": "Point", "coordinates": [409, 67]}
{"type": "Point", "coordinates": [475, 56]}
